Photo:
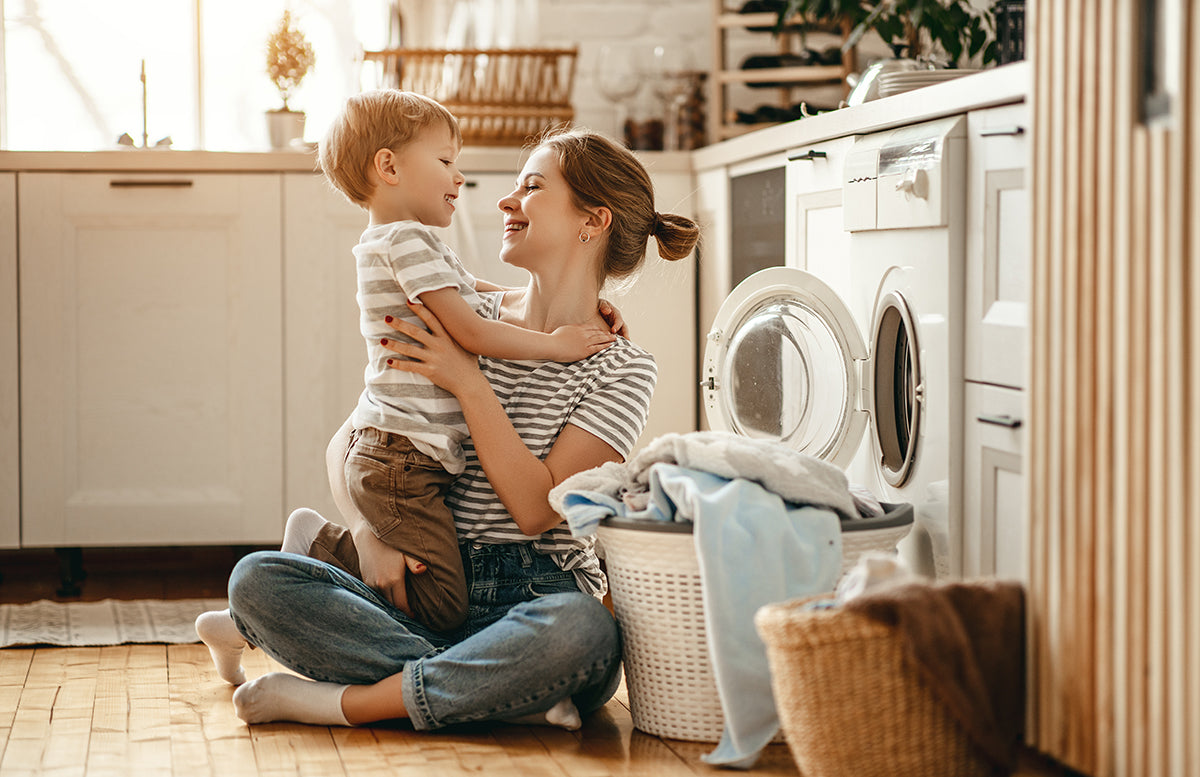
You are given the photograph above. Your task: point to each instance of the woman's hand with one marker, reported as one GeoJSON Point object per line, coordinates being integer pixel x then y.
{"type": "Point", "coordinates": [434, 354]}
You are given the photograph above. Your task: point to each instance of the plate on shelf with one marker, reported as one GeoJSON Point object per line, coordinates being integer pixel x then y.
{"type": "Point", "coordinates": [897, 83]}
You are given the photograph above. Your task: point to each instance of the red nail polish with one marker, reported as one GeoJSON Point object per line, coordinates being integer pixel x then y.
{"type": "Point", "coordinates": [387, 319]}
{"type": "Point", "coordinates": [389, 362]}
{"type": "Point", "coordinates": [383, 341]}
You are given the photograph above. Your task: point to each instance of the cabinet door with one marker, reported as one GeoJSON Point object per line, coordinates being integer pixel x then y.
{"type": "Point", "coordinates": [324, 354]}
{"type": "Point", "coordinates": [816, 238]}
{"type": "Point", "coordinates": [151, 359]}
{"type": "Point", "coordinates": [10, 467]}
{"type": "Point", "coordinates": [994, 523]}
{"type": "Point", "coordinates": [998, 246]}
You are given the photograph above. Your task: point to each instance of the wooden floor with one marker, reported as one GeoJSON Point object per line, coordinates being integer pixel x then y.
{"type": "Point", "coordinates": [140, 710]}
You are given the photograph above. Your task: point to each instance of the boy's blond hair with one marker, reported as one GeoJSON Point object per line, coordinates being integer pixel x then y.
{"type": "Point", "coordinates": [384, 118]}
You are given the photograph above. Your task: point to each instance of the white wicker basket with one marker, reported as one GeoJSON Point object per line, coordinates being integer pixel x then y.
{"type": "Point", "coordinates": [654, 579]}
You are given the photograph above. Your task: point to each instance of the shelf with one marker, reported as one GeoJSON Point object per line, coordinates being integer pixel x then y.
{"type": "Point", "coordinates": [729, 20]}
{"type": "Point", "coordinates": [782, 87]}
{"type": "Point", "coordinates": [811, 74]}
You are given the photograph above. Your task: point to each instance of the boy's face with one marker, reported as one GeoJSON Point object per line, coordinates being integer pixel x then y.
{"type": "Point", "coordinates": [429, 179]}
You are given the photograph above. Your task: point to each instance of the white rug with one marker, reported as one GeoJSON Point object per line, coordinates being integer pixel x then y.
{"type": "Point", "coordinates": [107, 622]}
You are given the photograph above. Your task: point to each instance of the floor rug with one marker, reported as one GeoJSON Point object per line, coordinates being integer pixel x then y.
{"type": "Point", "coordinates": [107, 622]}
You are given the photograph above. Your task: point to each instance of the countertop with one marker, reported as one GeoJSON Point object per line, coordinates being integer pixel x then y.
{"type": "Point", "coordinates": [472, 160]}
{"type": "Point", "coordinates": [995, 86]}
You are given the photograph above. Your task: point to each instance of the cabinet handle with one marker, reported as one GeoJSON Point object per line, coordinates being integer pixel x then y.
{"type": "Point", "coordinates": [808, 156]}
{"type": "Point", "coordinates": [1014, 129]}
{"type": "Point", "coordinates": [181, 183]}
{"type": "Point", "coordinates": [1000, 420]}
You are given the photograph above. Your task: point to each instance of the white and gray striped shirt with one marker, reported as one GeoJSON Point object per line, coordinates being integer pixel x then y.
{"type": "Point", "coordinates": [607, 394]}
{"type": "Point", "coordinates": [396, 263]}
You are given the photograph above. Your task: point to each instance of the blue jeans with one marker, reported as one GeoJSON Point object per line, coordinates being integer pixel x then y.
{"type": "Point", "coordinates": [531, 638]}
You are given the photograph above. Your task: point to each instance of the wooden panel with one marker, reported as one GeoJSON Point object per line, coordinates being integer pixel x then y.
{"type": "Point", "coordinates": [1115, 437]}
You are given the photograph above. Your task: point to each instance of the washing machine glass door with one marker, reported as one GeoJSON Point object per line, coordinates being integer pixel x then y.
{"type": "Point", "coordinates": [897, 387]}
{"type": "Point", "coordinates": [784, 362]}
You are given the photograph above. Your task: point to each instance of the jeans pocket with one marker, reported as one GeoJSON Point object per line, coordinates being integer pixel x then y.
{"type": "Point", "coordinates": [371, 481]}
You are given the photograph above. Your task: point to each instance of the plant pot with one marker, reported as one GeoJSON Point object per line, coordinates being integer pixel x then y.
{"type": "Point", "coordinates": [285, 126]}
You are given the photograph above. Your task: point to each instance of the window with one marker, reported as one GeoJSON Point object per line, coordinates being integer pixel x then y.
{"type": "Point", "coordinates": [72, 70]}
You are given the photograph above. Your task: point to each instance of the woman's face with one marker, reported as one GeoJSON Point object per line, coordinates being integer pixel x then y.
{"type": "Point", "coordinates": [540, 221]}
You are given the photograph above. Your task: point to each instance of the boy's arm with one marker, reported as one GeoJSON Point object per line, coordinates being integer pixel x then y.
{"type": "Point", "coordinates": [501, 340]}
{"type": "Point", "coordinates": [483, 286]}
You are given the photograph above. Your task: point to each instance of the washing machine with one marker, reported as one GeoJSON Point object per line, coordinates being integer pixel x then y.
{"type": "Point", "coordinates": [857, 359]}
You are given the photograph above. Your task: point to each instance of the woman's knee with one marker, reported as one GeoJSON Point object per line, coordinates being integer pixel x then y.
{"type": "Point", "coordinates": [256, 577]}
{"type": "Point", "coordinates": [584, 622]}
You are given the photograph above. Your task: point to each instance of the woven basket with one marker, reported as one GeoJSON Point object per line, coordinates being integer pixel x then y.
{"type": "Point", "coordinates": [658, 598]}
{"type": "Point", "coordinates": [851, 705]}
{"type": "Point", "coordinates": [501, 97]}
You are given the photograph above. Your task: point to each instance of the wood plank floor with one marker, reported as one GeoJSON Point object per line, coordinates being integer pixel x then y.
{"type": "Point", "coordinates": [148, 710]}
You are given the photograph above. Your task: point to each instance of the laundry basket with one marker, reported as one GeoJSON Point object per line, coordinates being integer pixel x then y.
{"type": "Point", "coordinates": [657, 596]}
{"type": "Point", "coordinates": [501, 97]}
{"type": "Point", "coordinates": [850, 704]}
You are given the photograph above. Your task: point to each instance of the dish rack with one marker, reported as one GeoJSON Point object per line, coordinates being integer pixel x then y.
{"type": "Point", "coordinates": [501, 97]}
{"type": "Point", "coordinates": [658, 599]}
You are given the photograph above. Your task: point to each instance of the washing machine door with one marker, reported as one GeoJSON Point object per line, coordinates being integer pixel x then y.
{"type": "Point", "coordinates": [785, 361]}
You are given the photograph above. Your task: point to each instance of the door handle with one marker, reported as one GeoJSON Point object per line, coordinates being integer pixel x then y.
{"type": "Point", "coordinates": [808, 156]}
{"type": "Point", "coordinates": [1006, 421]}
{"type": "Point", "coordinates": [181, 183]}
{"type": "Point", "coordinates": [1014, 129]}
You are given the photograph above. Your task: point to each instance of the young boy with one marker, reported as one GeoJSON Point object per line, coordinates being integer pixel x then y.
{"type": "Point", "coordinates": [394, 153]}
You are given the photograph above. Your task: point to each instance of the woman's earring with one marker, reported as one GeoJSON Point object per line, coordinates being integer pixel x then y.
{"type": "Point", "coordinates": [584, 237]}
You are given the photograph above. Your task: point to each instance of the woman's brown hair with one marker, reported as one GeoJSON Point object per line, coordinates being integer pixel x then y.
{"type": "Point", "coordinates": [605, 174]}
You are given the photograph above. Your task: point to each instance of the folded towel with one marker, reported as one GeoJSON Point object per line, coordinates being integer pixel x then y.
{"type": "Point", "coordinates": [967, 641]}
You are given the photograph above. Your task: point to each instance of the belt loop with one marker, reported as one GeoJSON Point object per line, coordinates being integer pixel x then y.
{"type": "Point", "coordinates": [526, 556]}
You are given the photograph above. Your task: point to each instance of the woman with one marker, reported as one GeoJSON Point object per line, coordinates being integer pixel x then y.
{"type": "Point", "coordinates": [538, 645]}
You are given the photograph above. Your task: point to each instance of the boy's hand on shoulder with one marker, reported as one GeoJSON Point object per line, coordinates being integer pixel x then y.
{"type": "Point", "coordinates": [579, 341]}
{"type": "Point", "coordinates": [614, 319]}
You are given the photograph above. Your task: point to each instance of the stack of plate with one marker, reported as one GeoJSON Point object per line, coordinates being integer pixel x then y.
{"type": "Point", "coordinates": [896, 83]}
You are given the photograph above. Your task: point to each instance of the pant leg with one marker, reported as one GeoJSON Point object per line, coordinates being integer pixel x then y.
{"type": "Point", "coordinates": [319, 621]}
{"type": "Point", "coordinates": [335, 545]}
{"type": "Point", "coordinates": [401, 494]}
{"type": "Point", "coordinates": [535, 639]}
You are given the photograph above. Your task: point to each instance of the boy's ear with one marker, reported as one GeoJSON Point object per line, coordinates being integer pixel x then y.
{"type": "Point", "coordinates": [384, 165]}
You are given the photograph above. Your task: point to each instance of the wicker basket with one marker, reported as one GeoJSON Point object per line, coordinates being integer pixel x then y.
{"type": "Point", "coordinates": [850, 704]}
{"type": "Point", "coordinates": [654, 578]}
{"type": "Point", "coordinates": [501, 97]}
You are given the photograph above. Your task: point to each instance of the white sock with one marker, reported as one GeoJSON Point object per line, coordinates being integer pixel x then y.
{"type": "Point", "coordinates": [282, 696]}
{"type": "Point", "coordinates": [300, 531]}
{"type": "Point", "coordinates": [564, 715]}
{"type": "Point", "coordinates": [225, 644]}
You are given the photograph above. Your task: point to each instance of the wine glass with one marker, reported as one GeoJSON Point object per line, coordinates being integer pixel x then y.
{"type": "Point", "coordinates": [671, 70]}
{"type": "Point", "coordinates": [616, 78]}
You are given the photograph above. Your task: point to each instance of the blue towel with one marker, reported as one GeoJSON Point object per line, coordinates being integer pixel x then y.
{"type": "Point", "coordinates": [754, 549]}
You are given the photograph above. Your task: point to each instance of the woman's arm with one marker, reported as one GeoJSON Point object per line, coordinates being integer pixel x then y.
{"type": "Point", "coordinates": [521, 480]}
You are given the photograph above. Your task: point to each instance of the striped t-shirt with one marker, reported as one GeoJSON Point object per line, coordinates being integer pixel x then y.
{"type": "Point", "coordinates": [398, 262]}
{"type": "Point", "coordinates": [607, 394]}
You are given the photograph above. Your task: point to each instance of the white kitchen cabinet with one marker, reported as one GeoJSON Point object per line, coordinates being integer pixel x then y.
{"type": "Point", "coordinates": [998, 246]}
{"type": "Point", "coordinates": [324, 354]}
{"type": "Point", "coordinates": [151, 345]}
{"type": "Point", "coordinates": [10, 468]}
{"type": "Point", "coordinates": [816, 240]}
{"type": "Point", "coordinates": [994, 520]}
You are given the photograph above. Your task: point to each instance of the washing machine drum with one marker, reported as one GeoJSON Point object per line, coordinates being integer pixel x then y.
{"type": "Point", "coordinates": [785, 361]}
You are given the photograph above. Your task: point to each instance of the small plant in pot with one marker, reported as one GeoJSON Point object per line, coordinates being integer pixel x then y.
{"type": "Point", "coordinates": [289, 59]}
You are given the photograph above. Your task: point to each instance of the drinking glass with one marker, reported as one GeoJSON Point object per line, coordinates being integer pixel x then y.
{"type": "Point", "coordinates": [616, 78]}
{"type": "Point", "coordinates": [671, 71]}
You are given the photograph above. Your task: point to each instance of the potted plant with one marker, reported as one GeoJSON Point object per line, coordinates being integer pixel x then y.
{"type": "Point", "coordinates": [289, 59]}
{"type": "Point", "coordinates": [923, 30]}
